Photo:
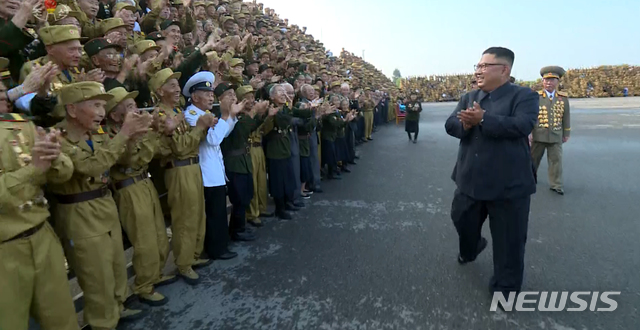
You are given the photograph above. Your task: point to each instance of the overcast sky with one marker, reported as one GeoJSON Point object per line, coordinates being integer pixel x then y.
{"type": "Point", "coordinates": [423, 37]}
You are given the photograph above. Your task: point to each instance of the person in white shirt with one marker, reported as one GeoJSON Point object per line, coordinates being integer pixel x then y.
{"type": "Point", "coordinates": [200, 90]}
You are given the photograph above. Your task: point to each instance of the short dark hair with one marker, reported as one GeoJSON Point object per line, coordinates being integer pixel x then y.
{"type": "Point", "coordinates": [501, 52]}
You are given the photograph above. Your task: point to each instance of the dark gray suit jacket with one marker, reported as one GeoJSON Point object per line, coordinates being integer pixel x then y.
{"type": "Point", "coordinates": [494, 159]}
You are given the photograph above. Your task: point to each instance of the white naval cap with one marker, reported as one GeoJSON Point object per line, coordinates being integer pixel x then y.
{"type": "Point", "coordinates": [201, 81]}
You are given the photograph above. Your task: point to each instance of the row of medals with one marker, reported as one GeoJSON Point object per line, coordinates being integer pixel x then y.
{"type": "Point", "coordinates": [558, 113]}
{"type": "Point", "coordinates": [25, 159]}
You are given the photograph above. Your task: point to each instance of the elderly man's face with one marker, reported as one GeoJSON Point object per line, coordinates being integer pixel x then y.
{"type": "Point", "coordinates": [278, 95]}
{"type": "Point", "coordinates": [237, 70]}
{"type": "Point", "coordinates": [122, 109]}
{"type": "Point", "coordinates": [291, 93]}
{"type": "Point", "coordinates": [228, 98]}
{"type": "Point", "coordinates": [172, 33]}
{"type": "Point", "coordinates": [204, 100]}
{"type": "Point", "coordinates": [117, 36]}
{"type": "Point", "coordinates": [148, 55]}
{"type": "Point", "coordinates": [89, 7]}
{"type": "Point", "coordinates": [251, 101]}
{"type": "Point", "coordinates": [108, 60]}
{"type": "Point", "coordinates": [128, 17]}
{"type": "Point", "coordinates": [345, 90]}
{"type": "Point", "coordinates": [170, 92]}
{"type": "Point", "coordinates": [68, 52]}
{"type": "Point", "coordinates": [252, 69]}
{"type": "Point", "coordinates": [550, 84]}
{"type": "Point", "coordinates": [211, 11]}
{"type": "Point", "coordinates": [165, 13]}
{"type": "Point", "coordinates": [88, 114]}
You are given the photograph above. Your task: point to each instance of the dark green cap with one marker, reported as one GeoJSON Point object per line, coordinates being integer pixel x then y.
{"type": "Point", "coordinates": [94, 46]}
{"type": "Point", "coordinates": [167, 23]}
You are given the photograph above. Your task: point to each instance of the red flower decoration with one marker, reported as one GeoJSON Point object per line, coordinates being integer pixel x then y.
{"type": "Point", "coordinates": [50, 5]}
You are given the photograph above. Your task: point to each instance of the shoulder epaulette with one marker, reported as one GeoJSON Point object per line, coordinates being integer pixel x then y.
{"type": "Point", "coordinates": [565, 94]}
{"type": "Point", "coordinates": [76, 70]}
{"type": "Point", "coordinates": [541, 92]}
{"type": "Point", "coordinates": [100, 130]}
{"type": "Point", "coordinates": [13, 117]}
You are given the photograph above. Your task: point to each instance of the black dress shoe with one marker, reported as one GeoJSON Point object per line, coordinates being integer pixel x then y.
{"type": "Point", "coordinates": [352, 162]}
{"type": "Point", "coordinates": [357, 157]}
{"type": "Point", "coordinates": [305, 196]}
{"type": "Point", "coordinates": [282, 215]}
{"type": "Point", "coordinates": [481, 246]}
{"type": "Point", "coordinates": [267, 215]}
{"type": "Point", "coordinates": [243, 237]}
{"type": "Point", "coordinates": [308, 192]}
{"type": "Point", "coordinates": [227, 255]}
{"type": "Point", "coordinates": [291, 207]}
{"type": "Point", "coordinates": [299, 204]}
{"type": "Point", "coordinates": [334, 177]}
{"type": "Point", "coordinates": [255, 223]}
{"type": "Point", "coordinates": [559, 191]}
{"type": "Point", "coordinates": [370, 139]}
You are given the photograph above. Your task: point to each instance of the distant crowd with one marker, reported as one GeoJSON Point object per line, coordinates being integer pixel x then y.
{"type": "Point", "coordinates": [604, 81]}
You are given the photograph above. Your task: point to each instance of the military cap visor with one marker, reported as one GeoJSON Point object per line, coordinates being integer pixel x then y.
{"type": "Point", "coordinates": [82, 91]}
{"type": "Point", "coordinates": [161, 77]}
{"type": "Point", "coordinates": [167, 23]}
{"type": "Point", "coordinates": [111, 23]}
{"type": "Point", "coordinates": [552, 72]}
{"type": "Point", "coordinates": [201, 81]}
{"type": "Point", "coordinates": [119, 94]}
{"type": "Point", "coordinates": [155, 36]}
{"type": "Point", "coordinates": [244, 90]}
{"type": "Point", "coordinates": [94, 46]}
{"type": "Point", "coordinates": [222, 88]}
{"type": "Point", "coordinates": [264, 68]}
{"type": "Point", "coordinates": [124, 5]}
{"type": "Point", "coordinates": [145, 45]}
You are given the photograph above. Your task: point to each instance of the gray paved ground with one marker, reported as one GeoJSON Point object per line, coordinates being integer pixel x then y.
{"type": "Point", "coordinates": [377, 250]}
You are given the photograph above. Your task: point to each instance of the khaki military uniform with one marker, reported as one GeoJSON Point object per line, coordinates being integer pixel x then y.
{"type": "Point", "coordinates": [33, 280]}
{"type": "Point", "coordinates": [140, 211]}
{"type": "Point", "coordinates": [86, 218]}
{"type": "Point", "coordinates": [185, 190]}
{"type": "Point", "coordinates": [552, 126]}
{"type": "Point", "coordinates": [368, 109]}
{"type": "Point", "coordinates": [259, 171]}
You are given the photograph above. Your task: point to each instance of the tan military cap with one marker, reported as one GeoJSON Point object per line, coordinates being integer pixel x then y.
{"type": "Point", "coordinates": [243, 90]}
{"type": "Point", "coordinates": [237, 16]}
{"type": "Point", "coordinates": [161, 77]}
{"type": "Point", "coordinates": [82, 91]}
{"type": "Point", "coordinates": [199, 3]}
{"type": "Point", "coordinates": [226, 19]}
{"type": "Point", "coordinates": [55, 34]}
{"type": "Point", "coordinates": [144, 45]}
{"type": "Point", "coordinates": [336, 83]}
{"type": "Point", "coordinates": [124, 5]}
{"type": "Point", "coordinates": [62, 12]}
{"type": "Point", "coordinates": [552, 72]}
{"type": "Point", "coordinates": [119, 94]}
{"type": "Point", "coordinates": [110, 24]}
{"type": "Point", "coordinates": [236, 61]}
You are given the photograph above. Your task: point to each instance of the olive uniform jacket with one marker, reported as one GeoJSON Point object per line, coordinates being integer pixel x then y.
{"type": "Point", "coordinates": [553, 118]}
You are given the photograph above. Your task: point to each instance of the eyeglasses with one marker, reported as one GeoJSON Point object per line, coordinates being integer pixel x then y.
{"type": "Point", "coordinates": [484, 66]}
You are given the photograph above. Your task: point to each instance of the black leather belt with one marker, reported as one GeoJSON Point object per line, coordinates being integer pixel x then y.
{"type": "Point", "coordinates": [237, 152]}
{"type": "Point", "coordinates": [183, 162]}
{"type": "Point", "coordinates": [83, 196]}
{"type": "Point", "coordinates": [127, 182]}
{"type": "Point", "coordinates": [26, 233]}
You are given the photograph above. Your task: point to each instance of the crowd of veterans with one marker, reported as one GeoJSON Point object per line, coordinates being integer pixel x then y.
{"type": "Point", "coordinates": [116, 116]}
{"type": "Point", "coordinates": [603, 81]}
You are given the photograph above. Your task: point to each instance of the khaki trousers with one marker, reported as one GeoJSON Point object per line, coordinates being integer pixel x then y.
{"type": "Point", "coordinates": [142, 220]}
{"type": "Point", "coordinates": [368, 124]}
{"type": "Point", "coordinates": [100, 266]}
{"type": "Point", "coordinates": [259, 171]}
{"type": "Point", "coordinates": [33, 281]}
{"type": "Point", "coordinates": [554, 159]}
{"type": "Point", "coordinates": [188, 221]}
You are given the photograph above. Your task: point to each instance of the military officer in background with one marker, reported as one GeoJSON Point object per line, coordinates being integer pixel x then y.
{"type": "Point", "coordinates": [33, 280]}
{"type": "Point", "coordinates": [553, 126]}
{"type": "Point", "coordinates": [86, 216]}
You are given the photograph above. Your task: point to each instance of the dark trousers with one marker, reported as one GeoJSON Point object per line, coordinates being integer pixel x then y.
{"type": "Point", "coordinates": [351, 143]}
{"type": "Point", "coordinates": [508, 222]}
{"type": "Point", "coordinates": [216, 238]}
{"type": "Point", "coordinates": [360, 131]}
{"type": "Point", "coordinates": [240, 195]}
{"type": "Point", "coordinates": [281, 181]}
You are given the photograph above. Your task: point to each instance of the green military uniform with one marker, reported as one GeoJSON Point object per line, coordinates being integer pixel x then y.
{"type": "Point", "coordinates": [14, 40]}
{"type": "Point", "coordinates": [86, 216]}
{"type": "Point", "coordinates": [33, 280]}
{"type": "Point", "coordinates": [139, 208]}
{"type": "Point", "coordinates": [183, 179]}
{"type": "Point", "coordinates": [51, 35]}
{"type": "Point", "coordinates": [552, 127]}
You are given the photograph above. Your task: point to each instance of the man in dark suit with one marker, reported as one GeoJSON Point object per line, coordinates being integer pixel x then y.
{"type": "Point", "coordinates": [494, 173]}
